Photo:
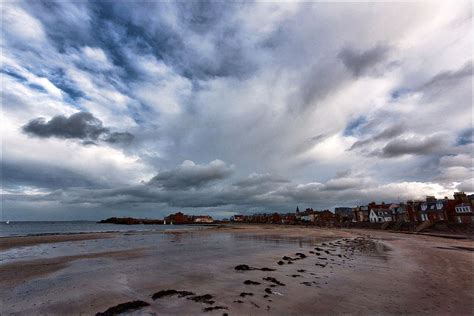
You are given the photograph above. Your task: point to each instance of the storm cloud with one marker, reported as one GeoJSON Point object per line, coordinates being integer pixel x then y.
{"type": "Point", "coordinates": [447, 78]}
{"type": "Point", "coordinates": [191, 175]}
{"type": "Point", "coordinates": [386, 134]}
{"type": "Point", "coordinates": [80, 125]}
{"type": "Point", "coordinates": [360, 62]}
{"type": "Point", "coordinates": [411, 146]}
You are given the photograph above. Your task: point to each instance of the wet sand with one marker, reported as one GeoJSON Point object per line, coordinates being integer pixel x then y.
{"type": "Point", "coordinates": [240, 270]}
{"type": "Point", "coordinates": [13, 242]}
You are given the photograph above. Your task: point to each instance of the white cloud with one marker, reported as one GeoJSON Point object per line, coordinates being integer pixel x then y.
{"type": "Point", "coordinates": [21, 27]}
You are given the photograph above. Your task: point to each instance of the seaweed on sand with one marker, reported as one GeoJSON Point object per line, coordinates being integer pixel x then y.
{"type": "Point", "coordinates": [212, 308]}
{"type": "Point", "coordinates": [244, 267]}
{"type": "Point", "coordinates": [273, 280]}
{"type": "Point", "coordinates": [250, 282]}
{"type": "Point", "coordinates": [244, 294]}
{"type": "Point", "coordinates": [124, 307]}
{"type": "Point", "coordinates": [206, 299]}
{"type": "Point", "coordinates": [164, 293]}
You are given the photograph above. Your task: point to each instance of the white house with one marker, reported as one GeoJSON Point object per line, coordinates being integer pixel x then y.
{"type": "Point", "coordinates": [463, 208]}
{"type": "Point", "coordinates": [464, 213]}
{"type": "Point", "coordinates": [380, 215]}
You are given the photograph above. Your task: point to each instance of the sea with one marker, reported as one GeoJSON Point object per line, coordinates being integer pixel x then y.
{"type": "Point", "coordinates": [21, 228]}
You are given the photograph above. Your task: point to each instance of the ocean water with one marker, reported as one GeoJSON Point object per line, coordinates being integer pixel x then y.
{"type": "Point", "coordinates": [47, 228]}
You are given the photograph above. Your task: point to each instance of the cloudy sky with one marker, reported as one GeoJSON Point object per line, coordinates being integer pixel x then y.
{"type": "Point", "coordinates": [221, 108]}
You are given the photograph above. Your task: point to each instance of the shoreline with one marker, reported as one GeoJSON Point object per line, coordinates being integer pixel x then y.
{"type": "Point", "coordinates": [7, 242]}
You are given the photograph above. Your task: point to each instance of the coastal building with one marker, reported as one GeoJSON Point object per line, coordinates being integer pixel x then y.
{"type": "Point", "coordinates": [308, 216]}
{"type": "Point", "coordinates": [276, 218]}
{"type": "Point", "coordinates": [361, 213]}
{"type": "Point", "coordinates": [177, 218]}
{"type": "Point", "coordinates": [399, 213]}
{"type": "Point", "coordinates": [325, 218]}
{"type": "Point", "coordinates": [203, 219]}
{"type": "Point", "coordinates": [288, 219]}
{"type": "Point", "coordinates": [237, 218]}
{"type": "Point", "coordinates": [379, 213]}
{"type": "Point", "coordinates": [435, 210]}
{"type": "Point", "coordinates": [413, 209]}
{"type": "Point", "coordinates": [464, 213]}
{"type": "Point", "coordinates": [344, 214]}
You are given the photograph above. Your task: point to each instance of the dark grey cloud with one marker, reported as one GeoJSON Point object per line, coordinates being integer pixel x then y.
{"type": "Point", "coordinates": [120, 137]}
{"type": "Point", "coordinates": [412, 146]}
{"type": "Point", "coordinates": [360, 62]}
{"type": "Point", "coordinates": [191, 175]}
{"type": "Point", "coordinates": [257, 179]}
{"type": "Point", "coordinates": [80, 125]}
{"type": "Point", "coordinates": [440, 82]}
{"type": "Point", "coordinates": [43, 175]}
{"type": "Point", "coordinates": [447, 78]}
{"type": "Point", "coordinates": [388, 133]}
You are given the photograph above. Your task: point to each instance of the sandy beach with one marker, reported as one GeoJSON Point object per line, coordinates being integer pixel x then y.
{"type": "Point", "coordinates": [238, 270]}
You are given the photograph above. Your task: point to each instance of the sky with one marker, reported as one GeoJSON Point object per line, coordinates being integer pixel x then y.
{"type": "Point", "coordinates": [146, 108]}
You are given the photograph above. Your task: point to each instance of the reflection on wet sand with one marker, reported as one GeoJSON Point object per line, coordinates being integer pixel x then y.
{"type": "Point", "coordinates": [279, 239]}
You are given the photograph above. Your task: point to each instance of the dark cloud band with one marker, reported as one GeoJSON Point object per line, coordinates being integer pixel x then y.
{"type": "Point", "coordinates": [80, 125]}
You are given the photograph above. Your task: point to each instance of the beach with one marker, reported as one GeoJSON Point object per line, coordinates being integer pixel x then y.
{"type": "Point", "coordinates": [237, 270]}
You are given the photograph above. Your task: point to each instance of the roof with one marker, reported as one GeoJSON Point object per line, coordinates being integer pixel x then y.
{"type": "Point", "coordinates": [381, 212]}
{"type": "Point", "coordinates": [433, 206]}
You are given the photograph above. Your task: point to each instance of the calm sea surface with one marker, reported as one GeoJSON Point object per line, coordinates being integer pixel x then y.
{"type": "Point", "coordinates": [43, 228]}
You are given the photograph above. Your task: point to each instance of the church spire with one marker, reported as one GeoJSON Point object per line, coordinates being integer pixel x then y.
{"type": "Point", "coordinates": [297, 209]}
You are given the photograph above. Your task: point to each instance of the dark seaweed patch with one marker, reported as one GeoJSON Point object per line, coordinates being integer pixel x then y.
{"type": "Point", "coordinates": [164, 293]}
{"type": "Point", "coordinates": [266, 269]}
{"type": "Point", "coordinates": [250, 282]}
{"type": "Point", "coordinates": [124, 307]}
{"type": "Point", "coordinates": [213, 308]}
{"type": "Point", "coordinates": [244, 267]}
{"type": "Point", "coordinates": [244, 294]}
{"type": "Point", "coordinates": [273, 280]}
{"type": "Point", "coordinates": [206, 299]}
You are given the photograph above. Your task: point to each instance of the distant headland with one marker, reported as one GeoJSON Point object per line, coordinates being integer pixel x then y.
{"type": "Point", "coordinates": [177, 218]}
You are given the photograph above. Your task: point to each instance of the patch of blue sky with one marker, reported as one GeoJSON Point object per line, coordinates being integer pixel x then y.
{"type": "Point", "coordinates": [465, 137]}
{"type": "Point", "coordinates": [354, 126]}
{"type": "Point", "coordinates": [12, 73]}
{"type": "Point", "coordinates": [37, 87]}
{"type": "Point", "coordinates": [398, 93]}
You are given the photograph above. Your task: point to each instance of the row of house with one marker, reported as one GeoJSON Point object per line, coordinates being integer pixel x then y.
{"type": "Point", "coordinates": [299, 217]}
{"type": "Point", "coordinates": [456, 210]}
